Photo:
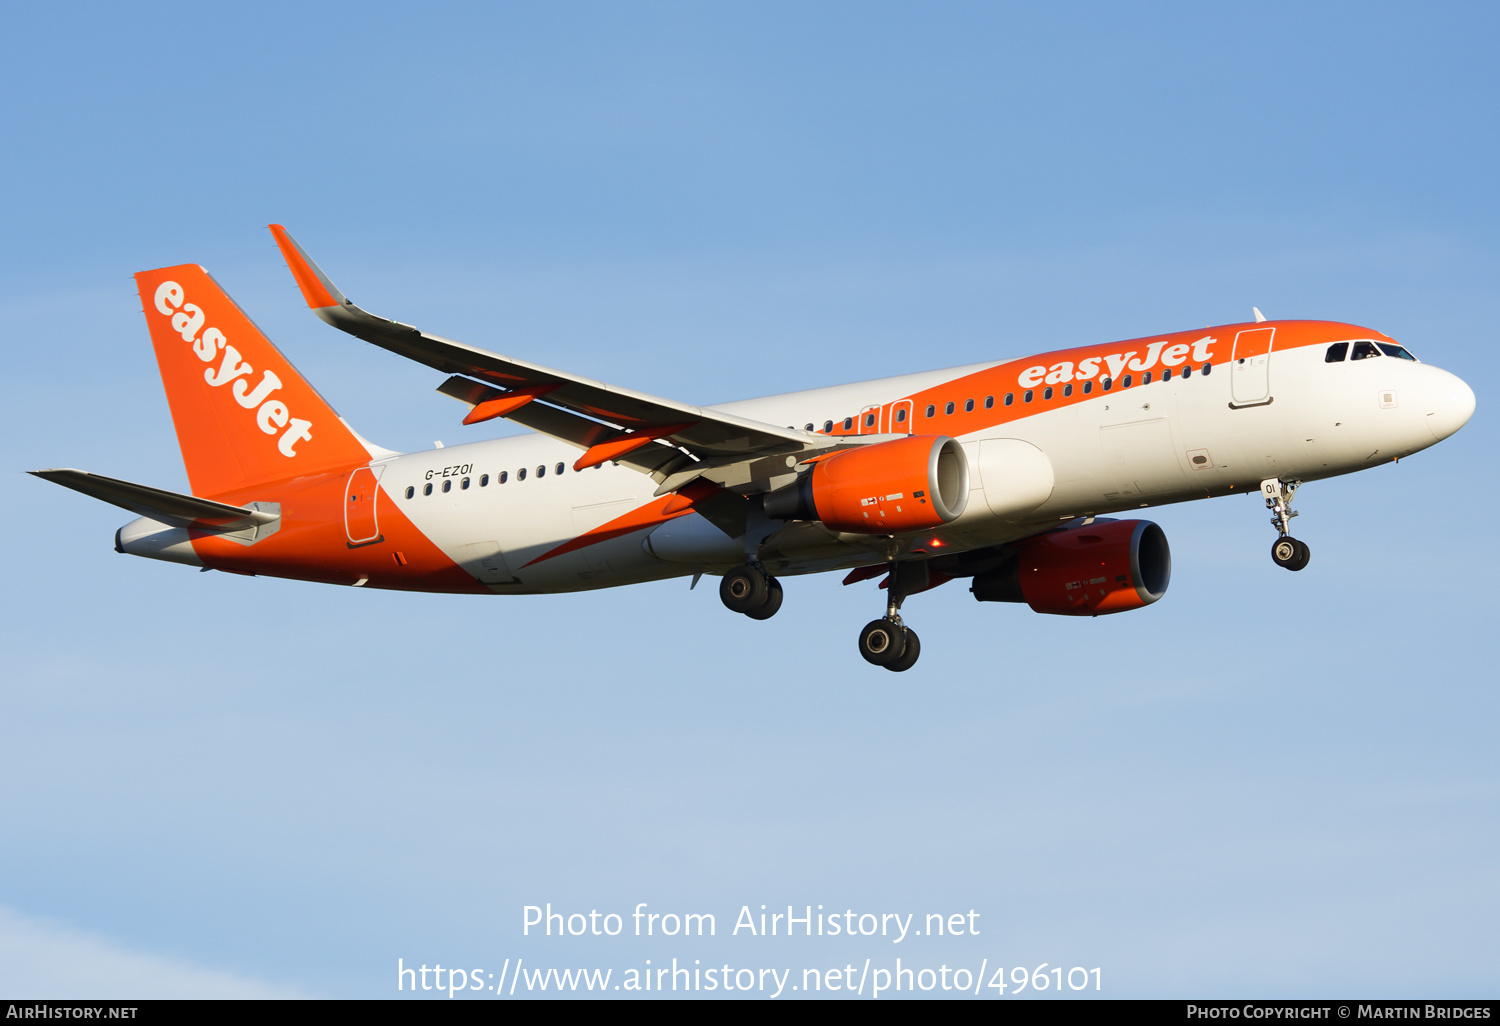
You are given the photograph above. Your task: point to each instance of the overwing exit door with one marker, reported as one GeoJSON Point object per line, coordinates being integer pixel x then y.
{"type": "Point", "coordinates": [361, 520]}
{"type": "Point", "coordinates": [1250, 367]}
{"type": "Point", "coordinates": [900, 418]}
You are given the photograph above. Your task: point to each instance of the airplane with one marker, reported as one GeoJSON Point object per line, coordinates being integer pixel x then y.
{"type": "Point", "coordinates": [1000, 472]}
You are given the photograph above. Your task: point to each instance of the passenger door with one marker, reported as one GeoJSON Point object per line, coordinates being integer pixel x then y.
{"type": "Point", "coordinates": [1250, 367]}
{"type": "Point", "coordinates": [361, 519]}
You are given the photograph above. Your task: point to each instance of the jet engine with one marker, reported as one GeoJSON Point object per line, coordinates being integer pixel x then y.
{"type": "Point", "coordinates": [1107, 566]}
{"type": "Point", "coordinates": [911, 484]}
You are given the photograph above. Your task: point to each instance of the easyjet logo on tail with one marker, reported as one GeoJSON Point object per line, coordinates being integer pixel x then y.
{"type": "Point", "coordinates": [271, 415]}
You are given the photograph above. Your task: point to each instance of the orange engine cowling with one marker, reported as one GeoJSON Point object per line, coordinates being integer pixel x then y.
{"type": "Point", "coordinates": [1108, 566]}
{"type": "Point", "coordinates": [911, 484]}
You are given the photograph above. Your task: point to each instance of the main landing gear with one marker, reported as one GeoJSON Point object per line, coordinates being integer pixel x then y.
{"type": "Point", "coordinates": [750, 590]}
{"type": "Point", "coordinates": [885, 642]}
{"type": "Point", "coordinates": [1287, 551]}
{"type": "Point", "coordinates": [888, 642]}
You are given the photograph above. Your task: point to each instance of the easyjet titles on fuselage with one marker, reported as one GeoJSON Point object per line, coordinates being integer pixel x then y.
{"type": "Point", "coordinates": [1169, 353]}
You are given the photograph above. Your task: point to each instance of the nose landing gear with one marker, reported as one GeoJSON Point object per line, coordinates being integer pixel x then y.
{"type": "Point", "coordinates": [888, 642]}
{"type": "Point", "coordinates": [1287, 551]}
{"type": "Point", "coordinates": [750, 590]}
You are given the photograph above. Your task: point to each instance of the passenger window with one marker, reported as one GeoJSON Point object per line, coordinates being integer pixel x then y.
{"type": "Point", "coordinates": [1391, 349]}
{"type": "Point", "coordinates": [948, 408]}
{"type": "Point", "coordinates": [828, 427]}
{"type": "Point", "coordinates": [1067, 391]}
{"type": "Point", "coordinates": [969, 406]}
{"type": "Point", "coordinates": [521, 474]}
{"type": "Point", "coordinates": [1125, 381]}
{"type": "Point", "coordinates": [989, 402]}
{"type": "Point", "coordinates": [848, 423]}
{"type": "Point", "coordinates": [1027, 396]}
{"type": "Point", "coordinates": [484, 480]}
{"type": "Point", "coordinates": [427, 489]}
{"type": "Point", "coordinates": [1010, 398]}
{"type": "Point", "coordinates": [1187, 371]}
{"type": "Point", "coordinates": [1047, 392]}
{"type": "Point", "coordinates": [447, 486]}
{"type": "Point", "coordinates": [1337, 352]}
{"type": "Point", "coordinates": [504, 476]}
{"type": "Point", "coordinates": [560, 467]}
{"type": "Point", "coordinates": [1364, 351]}
{"type": "Point", "coordinates": [901, 415]}
{"type": "Point", "coordinates": [410, 491]}
{"type": "Point", "coordinates": [464, 483]}
{"type": "Point", "coordinates": [1166, 375]}
{"type": "Point", "coordinates": [1108, 384]}
{"type": "Point", "coordinates": [807, 427]}
{"type": "Point", "coordinates": [1145, 378]}
{"type": "Point", "coordinates": [1208, 368]}
{"type": "Point", "coordinates": [869, 420]}
{"type": "Point", "coordinates": [931, 410]}
{"type": "Point", "coordinates": [541, 471]}
{"type": "Point", "coordinates": [1088, 386]}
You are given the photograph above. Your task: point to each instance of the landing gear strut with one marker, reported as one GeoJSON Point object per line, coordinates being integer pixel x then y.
{"type": "Point", "coordinates": [750, 590]}
{"type": "Point", "coordinates": [1287, 551]}
{"type": "Point", "coordinates": [888, 642]}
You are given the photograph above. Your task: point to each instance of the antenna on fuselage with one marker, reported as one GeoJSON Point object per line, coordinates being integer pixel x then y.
{"type": "Point", "coordinates": [1258, 315]}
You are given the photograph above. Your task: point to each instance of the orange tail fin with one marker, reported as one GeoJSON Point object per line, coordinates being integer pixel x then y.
{"type": "Point", "coordinates": [243, 414]}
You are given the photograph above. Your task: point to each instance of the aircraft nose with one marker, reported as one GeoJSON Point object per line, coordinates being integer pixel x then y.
{"type": "Point", "coordinates": [1453, 405]}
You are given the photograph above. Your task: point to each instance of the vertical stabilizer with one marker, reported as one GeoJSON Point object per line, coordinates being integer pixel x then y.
{"type": "Point", "coordinates": [243, 414]}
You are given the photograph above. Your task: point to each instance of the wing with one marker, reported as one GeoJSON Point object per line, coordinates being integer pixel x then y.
{"type": "Point", "coordinates": [672, 441]}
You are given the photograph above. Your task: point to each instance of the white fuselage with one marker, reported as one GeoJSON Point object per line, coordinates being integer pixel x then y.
{"type": "Point", "coordinates": [1119, 450]}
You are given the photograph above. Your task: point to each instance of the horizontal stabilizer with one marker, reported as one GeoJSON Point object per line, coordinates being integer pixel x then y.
{"type": "Point", "coordinates": [171, 508]}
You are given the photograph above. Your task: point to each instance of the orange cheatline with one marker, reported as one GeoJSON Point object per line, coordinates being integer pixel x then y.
{"type": "Point", "coordinates": [510, 402]}
{"type": "Point", "coordinates": [619, 446]}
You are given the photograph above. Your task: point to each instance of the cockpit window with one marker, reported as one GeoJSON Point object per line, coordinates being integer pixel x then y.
{"type": "Point", "coordinates": [1364, 350]}
{"type": "Point", "coordinates": [1337, 352]}
{"type": "Point", "coordinates": [1391, 349]}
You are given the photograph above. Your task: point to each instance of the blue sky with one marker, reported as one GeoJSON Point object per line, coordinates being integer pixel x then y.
{"type": "Point", "coordinates": [1265, 784]}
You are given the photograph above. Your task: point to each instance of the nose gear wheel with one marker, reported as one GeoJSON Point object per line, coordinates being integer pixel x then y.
{"type": "Point", "coordinates": [1290, 553]}
{"type": "Point", "coordinates": [1287, 551]}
